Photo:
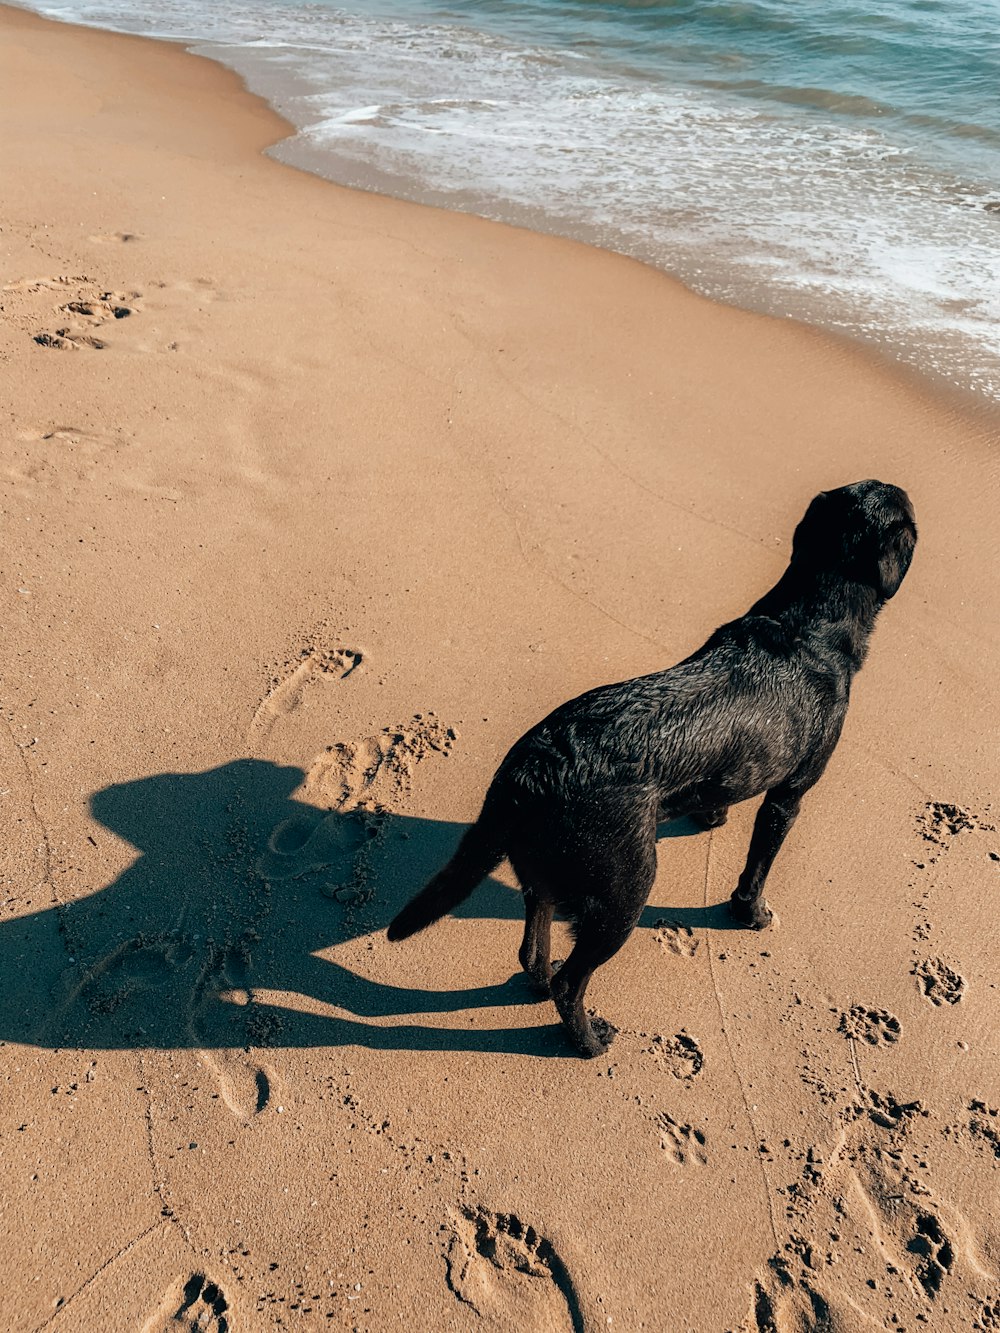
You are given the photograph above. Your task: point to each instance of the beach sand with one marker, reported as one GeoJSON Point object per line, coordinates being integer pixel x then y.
{"type": "Point", "coordinates": [313, 501]}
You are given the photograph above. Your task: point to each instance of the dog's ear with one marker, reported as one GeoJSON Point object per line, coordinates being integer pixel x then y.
{"type": "Point", "coordinates": [895, 558]}
{"type": "Point", "coordinates": [813, 534]}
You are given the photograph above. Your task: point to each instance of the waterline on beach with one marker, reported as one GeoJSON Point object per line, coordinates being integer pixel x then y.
{"type": "Point", "coordinates": [874, 216]}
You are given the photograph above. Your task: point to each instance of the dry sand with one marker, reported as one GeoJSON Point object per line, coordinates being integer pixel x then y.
{"type": "Point", "coordinates": [313, 501]}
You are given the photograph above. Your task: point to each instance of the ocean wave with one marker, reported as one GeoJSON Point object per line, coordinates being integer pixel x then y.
{"type": "Point", "coordinates": [811, 200]}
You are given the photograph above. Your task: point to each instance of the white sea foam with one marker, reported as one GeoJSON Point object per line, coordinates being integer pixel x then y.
{"type": "Point", "coordinates": [759, 204]}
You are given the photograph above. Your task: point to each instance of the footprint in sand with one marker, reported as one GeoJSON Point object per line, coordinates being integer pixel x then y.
{"type": "Point", "coordinates": [91, 308]}
{"type": "Point", "coordinates": [351, 785]}
{"type": "Point", "coordinates": [909, 1261]}
{"type": "Point", "coordinates": [869, 1243]}
{"type": "Point", "coordinates": [68, 339]}
{"type": "Point", "coordinates": [114, 238]}
{"type": "Point", "coordinates": [290, 689]}
{"type": "Point", "coordinates": [781, 1305]}
{"type": "Point", "coordinates": [933, 1253]}
{"type": "Point", "coordinates": [682, 1144]}
{"type": "Point", "coordinates": [940, 821]}
{"type": "Point", "coordinates": [875, 1026]}
{"type": "Point", "coordinates": [67, 451]}
{"type": "Point", "coordinates": [196, 1305]}
{"type": "Point", "coordinates": [988, 1316]}
{"type": "Point", "coordinates": [938, 982]}
{"type": "Point", "coordinates": [97, 310]}
{"type": "Point", "coordinates": [71, 436]}
{"type": "Point", "coordinates": [129, 973]}
{"type": "Point", "coordinates": [245, 1087]}
{"type": "Point", "coordinates": [29, 286]}
{"type": "Point", "coordinates": [176, 973]}
{"type": "Point", "coordinates": [922, 930]}
{"type": "Point", "coordinates": [510, 1275]}
{"type": "Point", "coordinates": [332, 847]}
{"type": "Point", "coordinates": [982, 1129]}
{"type": "Point", "coordinates": [47, 457]}
{"type": "Point", "coordinates": [376, 772]}
{"type": "Point", "coordinates": [680, 1056]}
{"type": "Point", "coordinates": [675, 938]}
{"type": "Point", "coordinates": [205, 289]}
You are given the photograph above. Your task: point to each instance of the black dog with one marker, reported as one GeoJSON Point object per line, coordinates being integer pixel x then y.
{"type": "Point", "coordinates": [575, 804]}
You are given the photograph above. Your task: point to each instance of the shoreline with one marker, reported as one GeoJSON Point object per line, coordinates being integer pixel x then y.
{"type": "Point", "coordinates": [314, 501]}
{"type": "Point", "coordinates": [980, 406]}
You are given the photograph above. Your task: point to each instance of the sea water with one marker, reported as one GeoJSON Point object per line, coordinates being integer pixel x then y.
{"type": "Point", "coordinates": [837, 162]}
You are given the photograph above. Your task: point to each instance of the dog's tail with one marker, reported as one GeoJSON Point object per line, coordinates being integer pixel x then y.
{"type": "Point", "coordinates": [480, 852]}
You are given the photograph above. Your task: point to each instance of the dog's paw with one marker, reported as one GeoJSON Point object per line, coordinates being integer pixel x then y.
{"type": "Point", "coordinates": [709, 819]}
{"type": "Point", "coordinates": [597, 1037]}
{"type": "Point", "coordinates": [754, 915]}
{"type": "Point", "coordinates": [536, 981]}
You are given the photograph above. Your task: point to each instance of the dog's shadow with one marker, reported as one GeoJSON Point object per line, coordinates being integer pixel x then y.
{"type": "Point", "coordinates": [214, 937]}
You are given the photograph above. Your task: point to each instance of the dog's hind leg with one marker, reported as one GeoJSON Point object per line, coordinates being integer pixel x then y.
{"type": "Point", "coordinates": [774, 818]}
{"type": "Point", "coordinates": [534, 952]}
{"type": "Point", "coordinates": [599, 936]}
{"type": "Point", "coordinates": [614, 884]}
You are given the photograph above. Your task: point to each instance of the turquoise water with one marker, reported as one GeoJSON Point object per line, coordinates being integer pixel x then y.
{"type": "Point", "coordinates": [836, 162]}
{"type": "Point", "coordinates": [929, 70]}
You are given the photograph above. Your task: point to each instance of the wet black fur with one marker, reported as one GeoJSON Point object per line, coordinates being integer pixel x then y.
{"type": "Point", "coordinates": [575, 804]}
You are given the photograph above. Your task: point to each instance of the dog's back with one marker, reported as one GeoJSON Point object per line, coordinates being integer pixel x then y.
{"type": "Point", "coordinates": [749, 710]}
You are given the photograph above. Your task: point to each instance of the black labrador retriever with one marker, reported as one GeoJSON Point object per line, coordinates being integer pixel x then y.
{"type": "Point", "coordinates": [575, 804]}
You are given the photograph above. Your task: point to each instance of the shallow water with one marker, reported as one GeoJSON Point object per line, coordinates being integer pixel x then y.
{"type": "Point", "coordinates": [838, 162]}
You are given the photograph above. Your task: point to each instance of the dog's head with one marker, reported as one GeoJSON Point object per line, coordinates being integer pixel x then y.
{"type": "Point", "coordinates": [864, 532]}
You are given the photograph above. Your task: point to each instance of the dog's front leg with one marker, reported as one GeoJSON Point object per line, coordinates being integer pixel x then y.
{"type": "Point", "coordinates": [774, 818]}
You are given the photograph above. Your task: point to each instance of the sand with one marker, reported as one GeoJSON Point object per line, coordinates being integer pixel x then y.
{"type": "Point", "coordinates": [313, 501]}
